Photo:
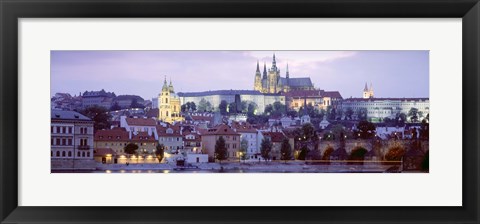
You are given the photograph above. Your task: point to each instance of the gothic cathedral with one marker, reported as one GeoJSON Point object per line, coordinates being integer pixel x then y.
{"type": "Point", "coordinates": [272, 82]}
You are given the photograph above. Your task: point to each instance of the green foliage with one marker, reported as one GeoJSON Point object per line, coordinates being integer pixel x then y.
{"type": "Point", "coordinates": [257, 119]}
{"type": "Point", "coordinates": [424, 130]}
{"type": "Point", "coordinates": [189, 106]}
{"type": "Point", "coordinates": [251, 109]}
{"type": "Point", "coordinates": [366, 129]}
{"type": "Point", "coordinates": [349, 113]}
{"type": "Point", "coordinates": [362, 114]}
{"type": "Point", "coordinates": [223, 107]}
{"type": "Point", "coordinates": [277, 109]}
{"type": "Point", "coordinates": [413, 114]}
{"type": "Point", "coordinates": [220, 149]}
{"type": "Point", "coordinates": [135, 104]}
{"type": "Point", "coordinates": [160, 152]}
{"type": "Point", "coordinates": [99, 115]}
{"type": "Point", "coordinates": [286, 150]}
{"type": "Point", "coordinates": [204, 106]}
{"type": "Point", "coordinates": [308, 131]}
{"type": "Point", "coordinates": [130, 148]}
{"type": "Point", "coordinates": [115, 107]}
{"type": "Point", "coordinates": [266, 148]}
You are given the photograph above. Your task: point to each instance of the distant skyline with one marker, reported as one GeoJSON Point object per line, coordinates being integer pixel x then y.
{"type": "Point", "coordinates": [392, 73]}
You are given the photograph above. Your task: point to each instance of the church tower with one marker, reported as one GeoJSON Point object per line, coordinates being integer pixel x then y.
{"type": "Point", "coordinates": [258, 79]}
{"type": "Point", "coordinates": [367, 93]}
{"type": "Point", "coordinates": [286, 88]}
{"type": "Point", "coordinates": [164, 112]}
{"type": "Point", "coordinates": [169, 104]}
{"type": "Point", "coordinates": [273, 77]}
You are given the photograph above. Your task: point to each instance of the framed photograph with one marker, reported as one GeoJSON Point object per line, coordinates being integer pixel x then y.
{"type": "Point", "coordinates": [246, 112]}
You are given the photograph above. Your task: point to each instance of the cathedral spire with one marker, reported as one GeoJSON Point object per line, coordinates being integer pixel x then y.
{"type": "Point", "coordinates": [264, 70]}
{"type": "Point", "coordinates": [274, 63]}
{"type": "Point", "coordinates": [287, 74]}
{"type": "Point", "coordinates": [366, 87]}
{"type": "Point", "coordinates": [258, 68]}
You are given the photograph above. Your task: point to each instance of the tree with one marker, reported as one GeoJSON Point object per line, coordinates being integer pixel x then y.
{"type": "Point", "coordinates": [338, 131]}
{"type": "Point", "coordinates": [331, 113]}
{"type": "Point", "coordinates": [308, 131]}
{"type": "Point", "coordinates": [159, 152]}
{"type": "Point", "coordinates": [232, 108]}
{"type": "Point", "coordinates": [221, 149]}
{"type": "Point", "coordinates": [99, 115]}
{"type": "Point", "coordinates": [362, 114]}
{"type": "Point", "coordinates": [115, 107]}
{"type": "Point", "coordinates": [183, 108]}
{"type": "Point", "coordinates": [130, 148]}
{"type": "Point", "coordinates": [366, 129]}
{"type": "Point", "coordinates": [191, 106]}
{"type": "Point", "coordinates": [292, 113]}
{"type": "Point", "coordinates": [204, 105]}
{"type": "Point", "coordinates": [349, 113]}
{"type": "Point", "coordinates": [251, 109]}
{"type": "Point", "coordinates": [413, 114]}
{"type": "Point", "coordinates": [400, 119]}
{"type": "Point", "coordinates": [424, 130]}
{"type": "Point", "coordinates": [135, 104]}
{"type": "Point", "coordinates": [223, 107]}
{"type": "Point", "coordinates": [266, 148]}
{"type": "Point", "coordinates": [286, 150]}
{"type": "Point", "coordinates": [243, 149]}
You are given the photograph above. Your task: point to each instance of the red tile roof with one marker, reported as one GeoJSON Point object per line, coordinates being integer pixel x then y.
{"type": "Point", "coordinates": [115, 134]}
{"type": "Point", "coordinates": [274, 136]}
{"type": "Point", "coordinates": [162, 131]}
{"type": "Point", "coordinates": [141, 121]}
{"type": "Point", "coordinates": [221, 129]}
{"type": "Point", "coordinates": [143, 136]}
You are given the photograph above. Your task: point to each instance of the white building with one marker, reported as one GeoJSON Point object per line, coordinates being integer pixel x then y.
{"type": "Point", "coordinates": [135, 125]}
{"type": "Point", "coordinates": [215, 97]}
{"type": "Point", "coordinates": [380, 108]}
{"type": "Point", "coordinates": [251, 135]}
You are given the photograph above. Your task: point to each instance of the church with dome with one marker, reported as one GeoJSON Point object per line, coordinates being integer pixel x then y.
{"type": "Point", "coordinates": [272, 82]}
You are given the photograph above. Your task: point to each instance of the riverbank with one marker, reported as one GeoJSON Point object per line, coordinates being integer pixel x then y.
{"type": "Point", "coordinates": [293, 167]}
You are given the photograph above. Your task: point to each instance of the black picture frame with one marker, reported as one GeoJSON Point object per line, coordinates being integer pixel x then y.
{"type": "Point", "coordinates": [11, 11]}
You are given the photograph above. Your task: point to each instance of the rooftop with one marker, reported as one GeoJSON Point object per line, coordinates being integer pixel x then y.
{"type": "Point", "coordinates": [67, 115]}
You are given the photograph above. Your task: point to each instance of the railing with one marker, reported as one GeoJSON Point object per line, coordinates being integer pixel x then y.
{"type": "Point", "coordinates": [83, 147]}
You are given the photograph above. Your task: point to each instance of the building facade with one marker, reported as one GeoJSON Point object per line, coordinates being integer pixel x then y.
{"type": "Point", "coordinates": [272, 82]}
{"type": "Point", "coordinates": [232, 141]}
{"type": "Point", "coordinates": [261, 100]}
{"type": "Point", "coordinates": [71, 136]}
{"type": "Point", "coordinates": [98, 98]}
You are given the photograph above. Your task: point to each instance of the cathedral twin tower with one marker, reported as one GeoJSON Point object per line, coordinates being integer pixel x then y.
{"type": "Point", "coordinates": [272, 82]}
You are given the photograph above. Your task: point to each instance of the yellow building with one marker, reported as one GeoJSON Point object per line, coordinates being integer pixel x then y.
{"type": "Point", "coordinates": [169, 104]}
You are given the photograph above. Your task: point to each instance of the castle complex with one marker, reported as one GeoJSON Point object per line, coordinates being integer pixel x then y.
{"type": "Point", "coordinates": [272, 82]}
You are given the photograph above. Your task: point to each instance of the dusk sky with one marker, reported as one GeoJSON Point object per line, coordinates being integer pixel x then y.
{"type": "Point", "coordinates": [392, 73]}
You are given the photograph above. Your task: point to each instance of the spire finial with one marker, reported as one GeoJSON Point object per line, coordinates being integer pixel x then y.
{"type": "Point", "coordinates": [165, 81]}
{"type": "Point", "coordinates": [366, 87]}
{"type": "Point", "coordinates": [258, 67]}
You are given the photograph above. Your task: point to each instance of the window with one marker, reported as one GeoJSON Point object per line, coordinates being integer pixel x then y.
{"type": "Point", "coordinates": [58, 153]}
{"type": "Point", "coordinates": [57, 142]}
{"type": "Point", "coordinates": [70, 141]}
{"type": "Point", "coordinates": [78, 154]}
{"type": "Point", "coordinates": [69, 154]}
{"type": "Point", "coordinates": [64, 141]}
{"type": "Point", "coordinates": [83, 154]}
{"type": "Point", "coordinates": [70, 130]}
{"type": "Point", "coordinates": [63, 153]}
{"type": "Point", "coordinates": [88, 154]}
{"type": "Point", "coordinates": [64, 129]}
{"type": "Point", "coordinates": [51, 141]}
{"type": "Point", "coordinates": [58, 129]}
{"type": "Point", "coordinates": [51, 153]}
{"type": "Point", "coordinates": [51, 129]}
